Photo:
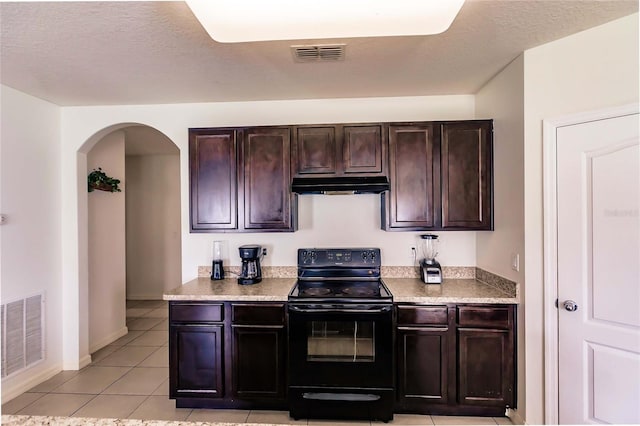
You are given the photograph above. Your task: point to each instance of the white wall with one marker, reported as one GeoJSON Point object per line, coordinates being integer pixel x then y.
{"type": "Point", "coordinates": [30, 194]}
{"type": "Point", "coordinates": [503, 100]}
{"type": "Point", "coordinates": [153, 225]}
{"type": "Point", "coordinates": [591, 70]}
{"type": "Point", "coordinates": [82, 126]}
{"type": "Point", "coordinates": [107, 248]}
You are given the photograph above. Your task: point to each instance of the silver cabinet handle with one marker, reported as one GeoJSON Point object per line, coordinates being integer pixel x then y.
{"type": "Point", "coordinates": [570, 305]}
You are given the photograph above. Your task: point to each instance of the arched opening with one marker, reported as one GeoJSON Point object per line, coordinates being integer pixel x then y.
{"type": "Point", "coordinates": [133, 246]}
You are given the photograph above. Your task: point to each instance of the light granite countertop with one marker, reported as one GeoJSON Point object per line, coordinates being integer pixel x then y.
{"type": "Point", "coordinates": [404, 290]}
{"type": "Point", "coordinates": [452, 290]}
{"type": "Point", "coordinates": [16, 420]}
{"type": "Point", "coordinates": [203, 288]}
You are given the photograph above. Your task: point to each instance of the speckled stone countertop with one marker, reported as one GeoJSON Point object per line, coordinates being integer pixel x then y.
{"type": "Point", "coordinates": [15, 420]}
{"type": "Point", "coordinates": [412, 290]}
{"type": "Point", "coordinates": [407, 290]}
{"type": "Point", "coordinates": [203, 288]}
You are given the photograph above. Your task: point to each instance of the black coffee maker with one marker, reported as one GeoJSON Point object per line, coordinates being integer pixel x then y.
{"type": "Point", "coordinates": [250, 272]}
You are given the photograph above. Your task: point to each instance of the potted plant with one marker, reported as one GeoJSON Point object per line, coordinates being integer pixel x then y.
{"type": "Point", "coordinates": [99, 180]}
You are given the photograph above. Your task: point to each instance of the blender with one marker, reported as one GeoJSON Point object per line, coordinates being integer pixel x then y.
{"type": "Point", "coordinates": [217, 269]}
{"type": "Point", "coordinates": [430, 270]}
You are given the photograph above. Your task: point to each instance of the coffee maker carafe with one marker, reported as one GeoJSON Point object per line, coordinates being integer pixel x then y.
{"type": "Point", "coordinates": [250, 271]}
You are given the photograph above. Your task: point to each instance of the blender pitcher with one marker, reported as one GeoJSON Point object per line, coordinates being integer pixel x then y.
{"type": "Point", "coordinates": [217, 269]}
{"type": "Point", "coordinates": [430, 270]}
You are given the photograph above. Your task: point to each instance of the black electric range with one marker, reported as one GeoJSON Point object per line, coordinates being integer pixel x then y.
{"type": "Point", "coordinates": [341, 353]}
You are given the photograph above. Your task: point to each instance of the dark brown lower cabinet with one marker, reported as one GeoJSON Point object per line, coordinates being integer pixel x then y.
{"type": "Point", "coordinates": [484, 366]}
{"type": "Point", "coordinates": [456, 359]}
{"type": "Point", "coordinates": [259, 349]}
{"type": "Point", "coordinates": [237, 360]}
{"type": "Point", "coordinates": [197, 360]}
{"type": "Point", "coordinates": [486, 356]}
{"type": "Point", "coordinates": [451, 359]}
{"type": "Point", "coordinates": [423, 370]}
{"type": "Point", "coordinates": [196, 356]}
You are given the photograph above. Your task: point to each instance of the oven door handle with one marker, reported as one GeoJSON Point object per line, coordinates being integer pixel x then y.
{"type": "Point", "coordinates": [375, 310]}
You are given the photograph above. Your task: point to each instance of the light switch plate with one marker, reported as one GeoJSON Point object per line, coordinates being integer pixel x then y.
{"type": "Point", "coordinates": [515, 262]}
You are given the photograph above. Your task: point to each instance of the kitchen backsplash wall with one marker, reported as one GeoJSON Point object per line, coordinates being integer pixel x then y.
{"type": "Point", "coordinates": [452, 272]}
{"type": "Point", "coordinates": [339, 221]}
{"type": "Point", "coordinates": [387, 271]}
{"type": "Point", "coordinates": [499, 282]}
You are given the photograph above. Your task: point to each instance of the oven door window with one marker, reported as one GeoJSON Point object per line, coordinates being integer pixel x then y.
{"type": "Point", "coordinates": [341, 341]}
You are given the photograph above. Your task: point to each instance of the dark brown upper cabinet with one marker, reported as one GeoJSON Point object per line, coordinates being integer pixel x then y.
{"type": "Point", "coordinates": [340, 150]}
{"type": "Point", "coordinates": [466, 168]}
{"type": "Point", "coordinates": [441, 176]}
{"type": "Point", "coordinates": [269, 204]}
{"type": "Point", "coordinates": [240, 180]}
{"type": "Point", "coordinates": [413, 173]}
{"type": "Point", "coordinates": [213, 179]}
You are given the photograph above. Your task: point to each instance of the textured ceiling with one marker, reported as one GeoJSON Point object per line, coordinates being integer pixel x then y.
{"type": "Point", "coordinates": [101, 53]}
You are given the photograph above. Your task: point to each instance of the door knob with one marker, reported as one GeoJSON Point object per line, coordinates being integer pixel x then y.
{"type": "Point", "coordinates": [570, 305]}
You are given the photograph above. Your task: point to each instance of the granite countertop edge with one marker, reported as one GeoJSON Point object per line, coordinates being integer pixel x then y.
{"type": "Point", "coordinates": [24, 420]}
{"type": "Point", "coordinates": [404, 290]}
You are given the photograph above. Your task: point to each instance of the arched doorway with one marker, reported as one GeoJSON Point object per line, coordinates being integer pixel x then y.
{"type": "Point", "coordinates": [133, 237]}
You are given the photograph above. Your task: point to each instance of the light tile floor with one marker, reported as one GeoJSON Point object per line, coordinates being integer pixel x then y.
{"type": "Point", "coordinates": [130, 379]}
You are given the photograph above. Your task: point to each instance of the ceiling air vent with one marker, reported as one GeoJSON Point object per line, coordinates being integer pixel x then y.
{"type": "Point", "coordinates": [321, 52]}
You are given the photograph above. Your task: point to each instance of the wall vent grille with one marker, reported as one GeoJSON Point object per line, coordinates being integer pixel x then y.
{"type": "Point", "coordinates": [22, 334]}
{"type": "Point", "coordinates": [321, 52]}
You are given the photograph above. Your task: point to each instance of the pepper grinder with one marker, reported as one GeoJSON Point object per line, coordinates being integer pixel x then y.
{"type": "Point", "coordinates": [217, 269]}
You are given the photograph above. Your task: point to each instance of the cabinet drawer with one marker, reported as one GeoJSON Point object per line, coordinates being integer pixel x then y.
{"type": "Point", "coordinates": [478, 316]}
{"type": "Point", "coordinates": [258, 314]}
{"type": "Point", "coordinates": [430, 315]}
{"type": "Point", "coordinates": [196, 312]}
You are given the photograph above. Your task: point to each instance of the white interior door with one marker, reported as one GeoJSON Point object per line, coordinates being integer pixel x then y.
{"type": "Point", "coordinates": [598, 248]}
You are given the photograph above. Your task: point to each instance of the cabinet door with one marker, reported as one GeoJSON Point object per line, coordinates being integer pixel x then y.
{"type": "Point", "coordinates": [363, 150]}
{"type": "Point", "coordinates": [259, 370]}
{"type": "Point", "coordinates": [269, 204]}
{"type": "Point", "coordinates": [485, 367]}
{"type": "Point", "coordinates": [414, 179]}
{"type": "Point", "coordinates": [213, 179]}
{"type": "Point", "coordinates": [467, 168]}
{"type": "Point", "coordinates": [316, 150]}
{"type": "Point", "coordinates": [196, 361]}
{"type": "Point", "coordinates": [423, 367]}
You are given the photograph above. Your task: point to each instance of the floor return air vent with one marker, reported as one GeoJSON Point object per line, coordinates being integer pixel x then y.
{"type": "Point", "coordinates": [22, 333]}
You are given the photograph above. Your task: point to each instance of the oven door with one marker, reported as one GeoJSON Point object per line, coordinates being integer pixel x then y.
{"type": "Point", "coordinates": [341, 345]}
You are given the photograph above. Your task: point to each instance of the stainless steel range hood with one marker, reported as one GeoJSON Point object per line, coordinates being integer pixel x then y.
{"type": "Point", "coordinates": [340, 185]}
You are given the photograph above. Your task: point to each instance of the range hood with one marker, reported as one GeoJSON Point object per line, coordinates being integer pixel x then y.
{"type": "Point", "coordinates": [340, 185]}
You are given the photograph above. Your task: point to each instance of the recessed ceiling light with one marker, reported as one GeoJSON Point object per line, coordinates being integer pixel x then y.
{"type": "Point", "coordinates": [232, 21]}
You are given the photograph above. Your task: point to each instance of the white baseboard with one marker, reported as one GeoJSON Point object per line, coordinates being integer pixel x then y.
{"type": "Point", "coordinates": [107, 340]}
{"type": "Point", "coordinates": [84, 361]}
{"type": "Point", "coordinates": [16, 386]}
{"type": "Point", "coordinates": [515, 417]}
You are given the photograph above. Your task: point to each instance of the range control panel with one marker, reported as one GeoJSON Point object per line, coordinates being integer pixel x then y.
{"type": "Point", "coordinates": [348, 258]}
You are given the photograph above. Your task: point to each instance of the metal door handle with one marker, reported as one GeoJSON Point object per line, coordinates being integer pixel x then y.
{"type": "Point", "coordinates": [373, 310]}
{"type": "Point", "coordinates": [570, 305]}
